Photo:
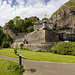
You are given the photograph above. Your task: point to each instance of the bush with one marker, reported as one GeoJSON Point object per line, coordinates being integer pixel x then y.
{"type": "Point", "coordinates": [5, 44]}
{"type": "Point", "coordinates": [6, 41]}
{"type": "Point", "coordinates": [21, 45]}
{"type": "Point", "coordinates": [64, 48]}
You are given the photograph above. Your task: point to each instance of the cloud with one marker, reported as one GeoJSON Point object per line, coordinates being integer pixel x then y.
{"type": "Point", "coordinates": [27, 8]}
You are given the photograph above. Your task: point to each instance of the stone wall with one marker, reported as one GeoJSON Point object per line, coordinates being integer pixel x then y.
{"type": "Point", "coordinates": [51, 36]}
{"type": "Point", "coordinates": [38, 25]}
{"type": "Point", "coordinates": [41, 39]}
{"type": "Point", "coordinates": [36, 36]}
{"type": "Point", "coordinates": [34, 46]}
{"type": "Point", "coordinates": [39, 46]}
{"type": "Point", "coordinates": [44, 34]}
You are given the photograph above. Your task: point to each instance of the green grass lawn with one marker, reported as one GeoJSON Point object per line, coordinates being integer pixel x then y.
{"type": "Point", "coordinates": [39, 56]}
{"type": "Point", "coordinates": [9, 68]}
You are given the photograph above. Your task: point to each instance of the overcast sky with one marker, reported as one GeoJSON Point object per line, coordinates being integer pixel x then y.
{"type": "Point", "coordinates": [27, 8]}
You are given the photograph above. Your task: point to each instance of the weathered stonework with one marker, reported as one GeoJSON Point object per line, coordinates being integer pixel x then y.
{"type": "Point", "coordinates": [63, 21]}
{"type": "Point", "coordinates": [14, 35]}
{"type": "Point", "coordinates": [38, 24]}
{"type": "Point", "coordinates": [39, 46]}
{"type": "Point", "coordinates": [40, 39]}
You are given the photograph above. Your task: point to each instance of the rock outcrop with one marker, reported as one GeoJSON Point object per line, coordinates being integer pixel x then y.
{"type": "Point", "coordinates": [64, 17]}
{"type": "Point", "coordinates": [8, 30]}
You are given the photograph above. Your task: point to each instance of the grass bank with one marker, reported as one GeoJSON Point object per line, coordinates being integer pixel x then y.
{"type": "Point", "coordinates": [38, 56]}
{"type": "Point", "coordinates": [9, 68]}
{"type": "Point", "coordinates": [64, 48]}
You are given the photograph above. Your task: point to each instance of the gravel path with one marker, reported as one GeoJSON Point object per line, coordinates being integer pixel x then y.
{"type": "Point", "coordinates": [45, 68]}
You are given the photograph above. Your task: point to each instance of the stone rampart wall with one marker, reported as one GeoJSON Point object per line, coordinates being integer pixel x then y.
{"type": "Point", "coordinates": [38, 35]}
{"type": "Point", "coordinates": [35, 46]}
{"type": "Point", "coordinates": [39, 46]}
{"type": "Point", "coordinates": [51, 36]}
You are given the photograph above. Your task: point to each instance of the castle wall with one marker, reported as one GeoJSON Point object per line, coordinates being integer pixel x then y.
{"type": "Point", "coordinates": [40, 25]}
{"type": "Point", "coordinates": [41, 39]}
{"type": "Point", "coordinates": [39, 46]}
{"type": "Point", "coordinates": [51, 36]}
{"type": "Point", "coordinates": [35, 46]}
{"type": "Point", "coordinates": [37, 26]}
{"type": "Point", "coordinates": [36, 36]}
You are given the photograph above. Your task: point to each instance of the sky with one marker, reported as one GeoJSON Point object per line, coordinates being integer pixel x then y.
{"type": "Point", "coordinates": [27, 8]}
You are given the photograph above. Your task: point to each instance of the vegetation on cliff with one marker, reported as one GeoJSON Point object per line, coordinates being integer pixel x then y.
{"type": "Point", "coordinates": [22, 25]}
{"type": "Point", "coordinates": [5, 39]}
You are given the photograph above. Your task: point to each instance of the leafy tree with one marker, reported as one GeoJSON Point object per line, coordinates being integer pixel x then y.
{"type": "Point", "coordinates": [19, 25]}
{"type": "Point", "coordinates": [5, 43]}
{"type": "Point", "coordinates": [10, 23]}
{"type": "Point", "coordinates": [30, 29]}
{"type": "Point", "coordinates": [45, 19]}
{"type": "Point", "coordinates": [8, 38]}
{"type": "Point", "coordinates": [5, 39]}
{"type": "Point", "coordinates": [1, 35]}
{"type": "Point", "coordinates": [27, 23]}
{"type": "Point", "coordinates": [34, 18]}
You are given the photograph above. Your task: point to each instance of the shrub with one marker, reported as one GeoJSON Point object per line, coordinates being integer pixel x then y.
{"type": "Point", "coordinates": [64, 48]}
{"type": "Point", "coordinates": [21, 45]}
{"type": "Point", "coordinates": [5, 44]}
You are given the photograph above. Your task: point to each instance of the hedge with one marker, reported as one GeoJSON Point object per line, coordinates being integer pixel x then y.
{"type": "Point", "coordinates": [64, 48]}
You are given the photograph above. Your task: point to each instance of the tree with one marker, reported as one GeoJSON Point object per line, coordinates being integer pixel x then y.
{"type": "Point", "coordinates": [30, 29]}
{"type": "Point", "coordinates": [1, 35]}
{"type": "Point", "coordinates": [34, 18]}
{"type": "Point", "coordinates": [45, 19]}
{"type": "Point", "coordinates": [5, 40]}
{"type": "Point", "coordinates": [5, 43]}
{"type": "Point", "coordinates": [27, 23]}
{"type": "Point", "coordinates": [8, 38]}
{"type": "Point", "coordinates": [19, 25]}
{"type": "Point", "coordinates": [11, 23]}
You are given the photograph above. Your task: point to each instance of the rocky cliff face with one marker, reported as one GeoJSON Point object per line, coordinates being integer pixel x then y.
{"type": "Point", "coordinates": [12, 33]}
{"type": "Point", "coordinates": [64, 17]}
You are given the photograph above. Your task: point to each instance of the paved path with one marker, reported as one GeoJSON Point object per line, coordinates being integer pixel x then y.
{"type": "Point", "coordinates": [45, 68]}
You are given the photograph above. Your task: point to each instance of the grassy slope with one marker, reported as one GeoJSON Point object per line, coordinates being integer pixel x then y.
{"type": "Point", "coordinates": [39, 56]}
{"type": "Point", "coordinates": [4, 68]}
